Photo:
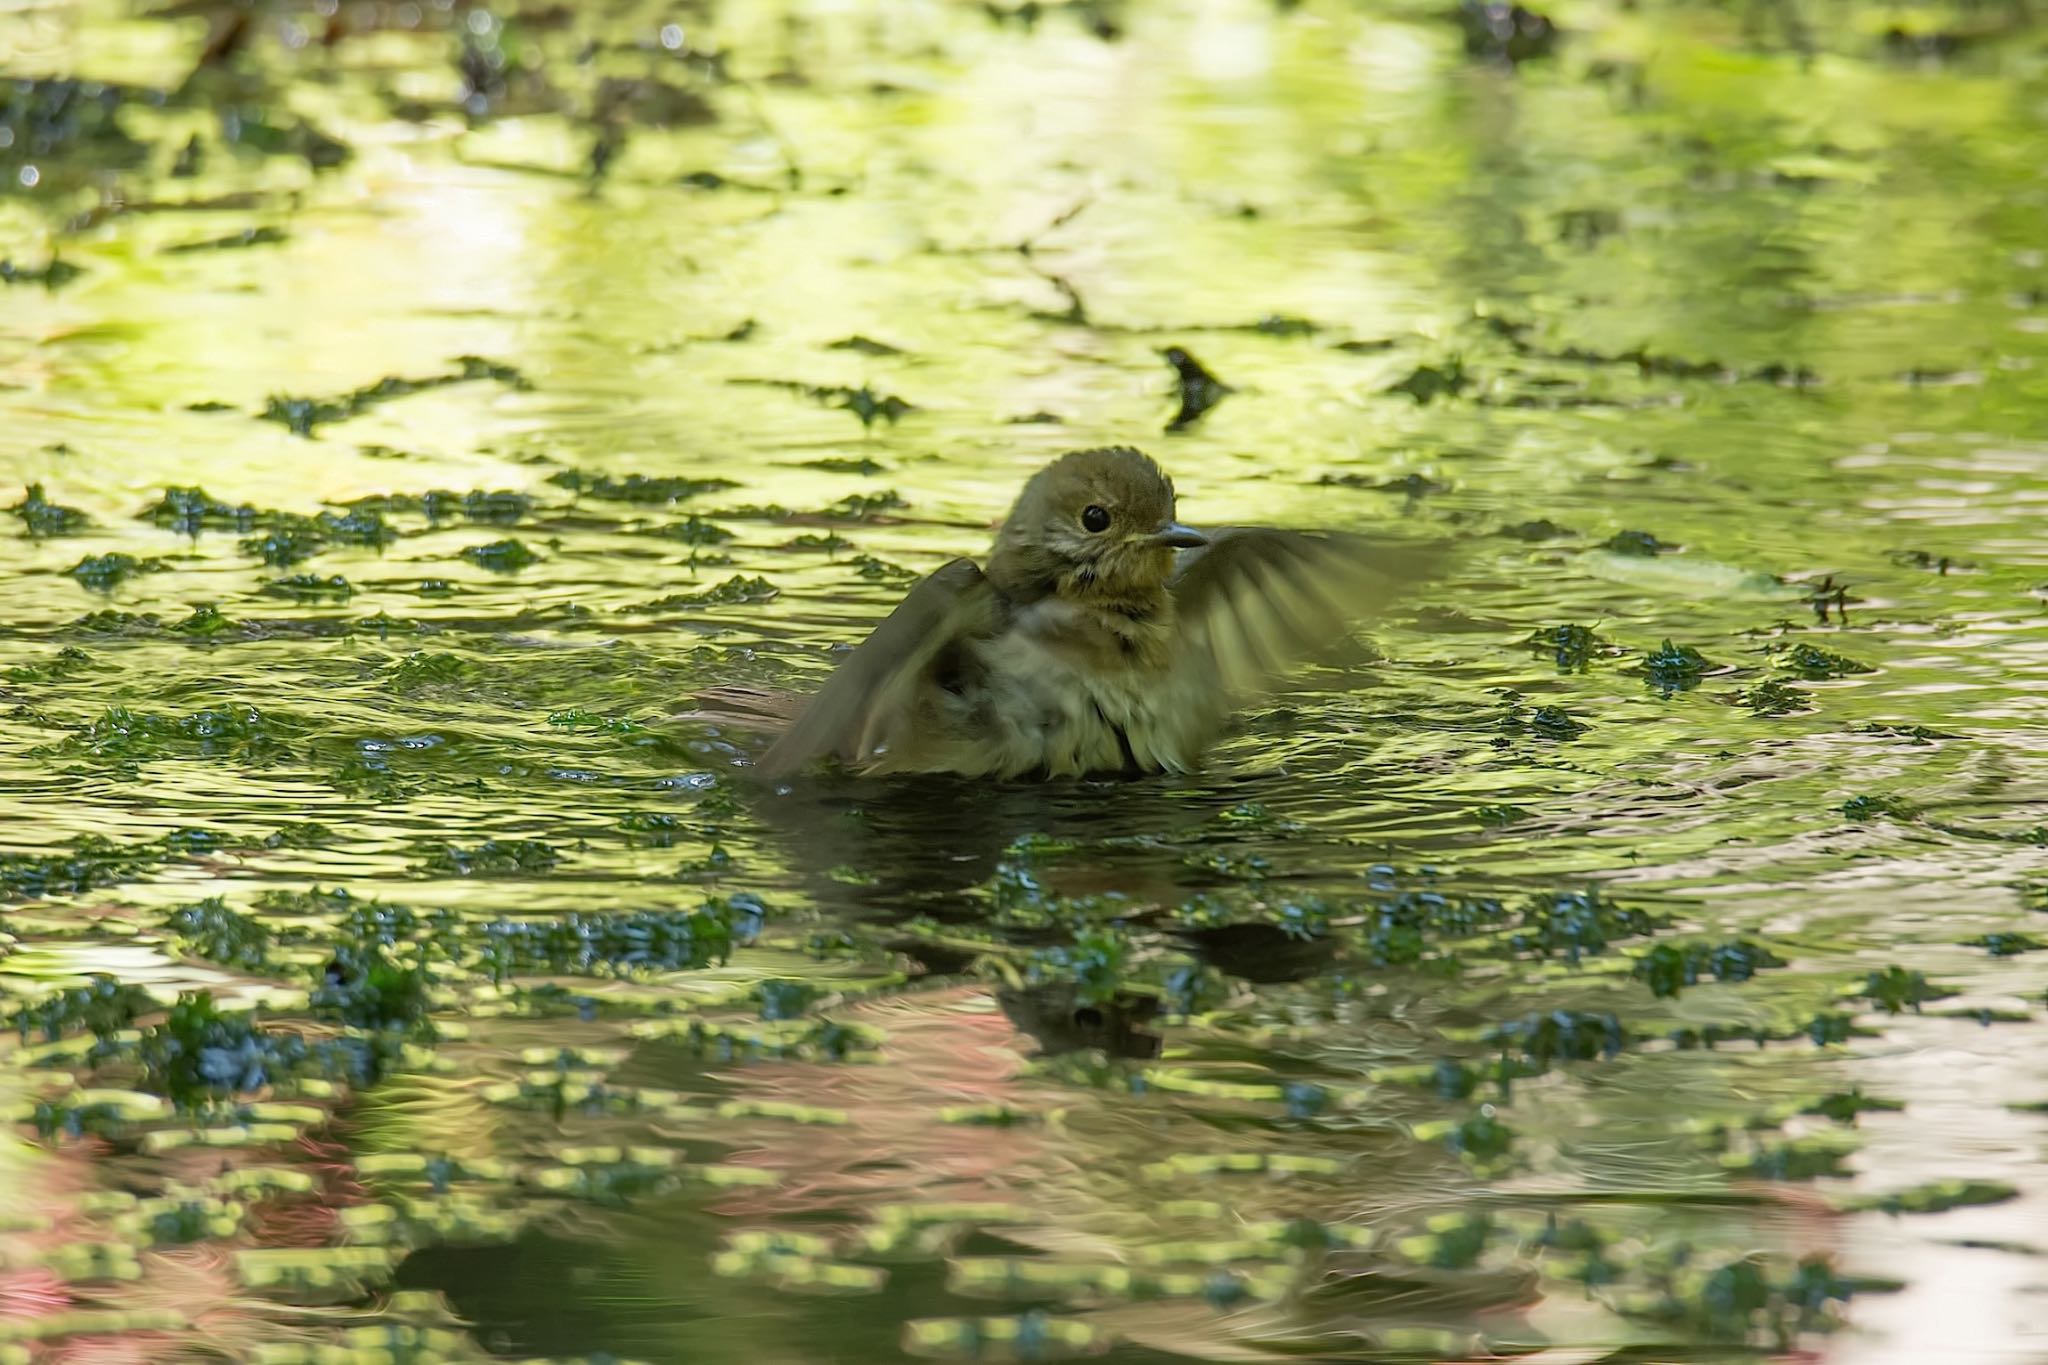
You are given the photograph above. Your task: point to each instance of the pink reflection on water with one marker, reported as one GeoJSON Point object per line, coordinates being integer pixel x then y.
{"type": "Point", "coordinates": [943, 1048]}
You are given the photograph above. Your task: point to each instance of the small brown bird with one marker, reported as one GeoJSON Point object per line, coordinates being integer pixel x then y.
{"type": "Point", "coordinates": [1104, 637]}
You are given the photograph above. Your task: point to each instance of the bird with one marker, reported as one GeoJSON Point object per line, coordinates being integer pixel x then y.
{"type": "Point", "coordinates": [1103, 637]}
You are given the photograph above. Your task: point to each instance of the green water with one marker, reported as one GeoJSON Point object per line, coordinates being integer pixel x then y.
{"type": "Point", "coordinates": [1483, 995]}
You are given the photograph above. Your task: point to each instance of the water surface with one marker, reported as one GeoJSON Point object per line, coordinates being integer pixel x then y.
{"type": "Point", "coordinates": [1618, 951]}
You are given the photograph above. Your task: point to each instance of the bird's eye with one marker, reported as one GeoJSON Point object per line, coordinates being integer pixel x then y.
{"type": "Point", "coordinates": [1095, 519]}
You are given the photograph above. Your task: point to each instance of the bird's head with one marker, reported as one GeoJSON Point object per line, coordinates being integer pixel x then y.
{"type": "Point", "coordinates": [1094, 525]}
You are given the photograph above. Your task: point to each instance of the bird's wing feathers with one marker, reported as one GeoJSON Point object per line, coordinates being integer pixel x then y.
{"type": "Point", "coordinates": [1256, 600]}
{"type": "Point", "coordinates": [877, 687]}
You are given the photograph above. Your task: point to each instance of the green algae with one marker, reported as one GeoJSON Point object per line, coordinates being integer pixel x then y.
{"type": "Point", "coordinates": [502, 556]}
{"type": "Point", "coordinates": [2005, 944]}
{"type": "Point", "coordinates": [1741, 1300]}
{"type": "Point", "coordinates": [367, 989]}
{"type": "Point", "coordinates": [1773, 698]}
{"type": "Point", "coordinates": [123, 735]}
{"type": "Point", "coordinates": [41, 517]}
{"type": "Point", "coordinates": [865, 403]}
{"type": "Point", "coordinates": [619, 944]}
{"type": "Point", "coordinates": [1573, 924]}
{"type": "Point", "coordinates": [211, 930]}
{"type": "Point", "coordinates": [841, 464]}
{"type": "Point", "coordinates": [1669, 968]}
{"type": "Point", "coordinates": [419, 670]}
{"type": "Point", "coordinates": [303, 416]}
{"type": "Point", "coordinates": [495, 506]}
{"type": "Point", "coordinates": [1197, 389]}
{"type": "Point", "coordinates": [206, 621]}
{"type": "Point", "coordinates": [864, 346]}
{"type": "Point", "coordinates": [877, 570]}
{"type": "Point", "coordinates": [1553, 723]}
{"type": "Point", "coordinates": [201, 1054]}
{"type": "Point", "coordinates": [1810, 1158]}
{"type": "Point", "coordinates": [1843, 1106]}
{"type": "Point", "coordinates": [52, 274]}
{"type": "Point", "coordinates": [1827, 1029]}
{"type": "Point", "coordinates": [1878, 806]}
{"type": "Point", "coordinates": [1571, 647]}
{"type": "Point", "coordinates": [66, 662]}
{"type": "Point", "coordinates": [738, 590]}
{"type": "Point", "coordinates": [101, 1007]}
{"type": "Point", "coordinates": [110, 622]}
{"type": "Point", "coordinates": [1896, 989]}
{"type": "Point", "coordinates": [1638, 544]}
{"type": "Point", "coordinates": [637, 488]}
{"type": "Point", "coordinates": [189, 511]}
{"type": "Point", "coordinates": [91, 862]}
{"type": "Point", "coordinates": [1810, 661]}
{"type": "Point", "coordinates": [828, 543]}
{"type": "Point", "coordinates": [1537, 531]}
{"type": "Point", "coordinates": [1939, 1197]}
{"type": "Point", "coordinates": [55, 115]}
{"type": "Point", "coordinates": [1427, 383]}
{"type": "Point", "coordinates": [235, 241]}
{"type": "Point", "coordinates": [1453, 1241]}
{"type": "Point", "coordinates": [359, 526]}
{"type": "Point", "coordinates": [693, 531]}
{"type": "Point", "coordinates": [864, 506]}
{"type": "Point", "coordinates": [307, 587]}
{"type": "Point", "coordinates": [579, 719]}
{"type": "Point", "coordinates": [1483, 1138]}
{"type": "Point", "coordinates": [104, 573]}
{"type": "Point", "coordinates": [1674, 668]}
{"type": "Point", "coordinates": [493, 857]}
{"type": "Point", "coordinates": [1544, 1039]}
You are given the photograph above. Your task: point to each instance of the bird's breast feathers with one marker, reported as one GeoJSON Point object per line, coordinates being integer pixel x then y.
{"type": "Point", "coordinates": [1072, 690]}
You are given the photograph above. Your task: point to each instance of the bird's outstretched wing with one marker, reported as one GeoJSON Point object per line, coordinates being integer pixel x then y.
{"type": "Point", "coordinates": [1255, 600]}
{"type": "Point", "coordinates": [871, 703]}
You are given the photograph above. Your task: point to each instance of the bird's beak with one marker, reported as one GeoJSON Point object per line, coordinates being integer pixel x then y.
{"type": "Point", "coordinates": [1179, 537]}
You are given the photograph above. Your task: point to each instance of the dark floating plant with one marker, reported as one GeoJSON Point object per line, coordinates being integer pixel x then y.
{"type": "Point", "coordinates": [301, 416]}
{"type": "Point", "coordinates": [1427, 383]}
{"type": "Point", "coordinates": [1571, 647]}
{"type": "Point", "coordinates": [40, 517]}
{"type": "Point", "coordinates": [1674, 668]}
{"type": "Point", "coordinates": [1197, 389]}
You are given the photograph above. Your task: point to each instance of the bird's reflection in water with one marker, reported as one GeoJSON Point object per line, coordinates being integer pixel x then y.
{"type": "Point", "coordinates": [1261, 953]}
{"type": "Point", "coordinates": [886, 851]}
{"type": "Point", "coordinates": [1059, 1019]}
